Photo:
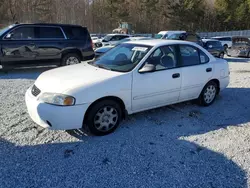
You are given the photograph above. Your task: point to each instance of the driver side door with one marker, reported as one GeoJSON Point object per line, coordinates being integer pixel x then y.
{"type": "Point", "coordinates": [18, 46]}
{"type": "Point", "coordinates": [160, 87]}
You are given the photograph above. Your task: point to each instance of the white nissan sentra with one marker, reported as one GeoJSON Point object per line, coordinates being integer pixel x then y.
{"type": "Point", "coordinates": [130, 78]}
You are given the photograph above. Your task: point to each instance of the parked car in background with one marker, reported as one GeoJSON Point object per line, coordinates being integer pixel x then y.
{"type": "Point", "coordinates": [42, 44]}
{"type": "Point", "coordinates": [187, 36]}
{"type": "Point", "coordinates": [226, 41]}
{"type": "Point", "coordinates": [102, 50]}
{"type": "Point", "coordinates": [132, 77]}
{"type": "Point", "coordinates": [96, 42]}
{"type": "Point", "coordinates": [240, 47]}
{"type": "Point", "coordinates": [112, 39]}
{"type": "Point", "coordinates": [214, 47]}
{"type": "Point", "coordinates": [167, 34]}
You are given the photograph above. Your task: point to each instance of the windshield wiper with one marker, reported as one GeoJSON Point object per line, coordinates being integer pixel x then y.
{"type": "Point", "coordinates": [104, 67]}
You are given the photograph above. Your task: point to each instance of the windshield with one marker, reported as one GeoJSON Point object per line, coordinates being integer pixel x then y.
{"type": "Point", "coordinates": [107, 38]}
{"type": "Point", "coordinates": [175, 36]}
{"type": "Point", "coordinates": [158, 36]}
{"type": "Point", "coordinates": [122, 58]}
{"type": "Point", "coordinates": [3, 30]}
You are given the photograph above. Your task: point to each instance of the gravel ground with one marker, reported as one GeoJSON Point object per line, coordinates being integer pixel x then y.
{"type": "Point", "coordinates": [182, 145]}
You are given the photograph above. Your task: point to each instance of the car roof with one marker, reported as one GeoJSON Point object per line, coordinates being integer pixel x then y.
{"type": "Point", "coordinates": [222, 37]}
{"type": "Point", "coordinates": [138, 38]}
{"type": "Point", "coordinates": [159, 42]}
{"type": "Point", "coordinates": [113, 34]}
{"type": "Point", "coordinates": [50, 24]}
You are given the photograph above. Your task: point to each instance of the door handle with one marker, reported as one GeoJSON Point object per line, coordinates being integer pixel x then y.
{"type": "Point", "coordinates": [176, 75]}
{"type": "Point", "coordinates": [209, 69]}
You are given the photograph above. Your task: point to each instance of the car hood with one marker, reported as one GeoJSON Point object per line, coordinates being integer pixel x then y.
{"type": "Point", "coordinates": [62, 80]}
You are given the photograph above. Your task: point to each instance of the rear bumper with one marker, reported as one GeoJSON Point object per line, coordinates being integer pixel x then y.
{"type": "Point", "coordinates": [55, 117]}
{"type": "Point", "coordinates": [224, 82]}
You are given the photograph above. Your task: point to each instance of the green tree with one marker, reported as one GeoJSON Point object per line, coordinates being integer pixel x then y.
{"type": "Point", "coordinates": [187, 14]}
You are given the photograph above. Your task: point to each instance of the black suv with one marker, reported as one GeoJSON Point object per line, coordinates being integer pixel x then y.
{"type": "Point", "coordinates": [43, 44]}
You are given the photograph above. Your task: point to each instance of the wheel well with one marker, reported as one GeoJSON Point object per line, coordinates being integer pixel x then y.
{"type": "Point", "coordinates": [117, 99]}
{"type": "Point", "coordinates": [74, 51]}
{"type": "Point", "coordinates": [217, 82]}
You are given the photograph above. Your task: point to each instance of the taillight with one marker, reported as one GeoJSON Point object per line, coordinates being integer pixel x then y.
{"type": "Point", "coordinates": [92, 44]}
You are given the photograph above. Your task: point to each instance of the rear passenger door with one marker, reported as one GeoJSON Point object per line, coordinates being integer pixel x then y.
{"type": "Point", "coordinates": [196, 71]}
{"type": "Point", "coordinates": [50, 41]}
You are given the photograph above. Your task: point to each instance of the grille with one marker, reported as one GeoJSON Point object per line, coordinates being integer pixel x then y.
{"type": "Point", "coordinates": [35, 91]}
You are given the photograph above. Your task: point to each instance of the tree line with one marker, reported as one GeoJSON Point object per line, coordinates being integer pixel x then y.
{"type": "Point", "coordinates": [145, 16]}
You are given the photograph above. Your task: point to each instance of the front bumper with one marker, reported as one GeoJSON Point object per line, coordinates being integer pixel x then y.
{"type": "Point", "coordinates": [55, 117]}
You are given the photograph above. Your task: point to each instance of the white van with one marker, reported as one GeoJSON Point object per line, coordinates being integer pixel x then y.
{"type": "Point", "coordinates": [167, 34]}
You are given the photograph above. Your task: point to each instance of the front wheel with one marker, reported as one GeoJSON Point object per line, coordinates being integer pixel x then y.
{"type": "Point", "coordinates": [104, 117]}
{"type": "Point", "coordinates": [225, 47]}
{"type": "Point", "coordinates": [70, 59]}
{"type": "Point", "coordinates": [248, 55]}
{"type": "Point", "coordinates": [208, 94]}
{"type": "Point", "coordinates": [221, 55]}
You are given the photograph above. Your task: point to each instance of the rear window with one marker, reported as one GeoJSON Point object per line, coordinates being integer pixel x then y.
{"type": "Point", "coordinates": [224, 39]}
{"type": "Point", "coordinates": [49, 33]}
{"type": "Point", "coordinates": [76, 32]}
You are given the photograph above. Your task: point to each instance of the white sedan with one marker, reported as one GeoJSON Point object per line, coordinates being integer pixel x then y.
{"type": "Point", "coordinates": [132, 77]}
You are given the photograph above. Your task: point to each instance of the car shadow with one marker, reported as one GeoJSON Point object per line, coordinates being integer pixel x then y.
{"type": "Point", "coordinates": [150, 149]}
{"type": "Point", "coordinates": [24, 73]}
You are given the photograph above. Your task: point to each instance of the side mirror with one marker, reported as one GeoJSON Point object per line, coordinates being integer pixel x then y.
{"type": "Point", "coordinates": [9, 36]}
{"type": "Point", "coordinates": [210, 46]}
{"type": "Point", "coordinates": [147, 68]}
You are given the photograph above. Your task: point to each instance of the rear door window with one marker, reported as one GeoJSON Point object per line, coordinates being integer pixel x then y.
{"type": "Point", "coordinates": [189, 55]}
{"type": "Point", "coordinates": [192, 56]}
{"type": "Point", "coordinates": [49, 33]}
{"type": "Point", "coordinates": [76, 33]}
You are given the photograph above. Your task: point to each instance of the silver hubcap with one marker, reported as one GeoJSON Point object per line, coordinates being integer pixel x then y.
{"type": "Point", "coordinates": [209, 94]}
{"type": "Point", "coordinates": [72, 61]}
{"type": "Point", "coordinates": [106, 119]}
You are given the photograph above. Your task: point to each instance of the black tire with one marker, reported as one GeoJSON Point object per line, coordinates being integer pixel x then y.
{"type": "Point", "coordinates": [202, 100]}
{"type": "Point", "coordinates": [67, 57]}
{"type": "Point", "coordinates": [92, 117]}
{"type": "Point", "coordinates": [225, 47]}
{"type": "Point", "coordinates": [248, 55]}
{"type": "Point", "coordinates": [221, 55]}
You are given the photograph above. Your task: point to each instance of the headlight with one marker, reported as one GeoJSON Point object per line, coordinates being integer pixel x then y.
{"type": "Point", "coordinates": [57, 99]}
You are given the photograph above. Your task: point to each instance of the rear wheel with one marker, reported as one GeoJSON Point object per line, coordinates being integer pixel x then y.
{"type": "Point", "coordinates": [208, 94]}
{"type": "Point", "coordinates": [104, 117]}
{"type": "Point", "coordinates": [70, 59]}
